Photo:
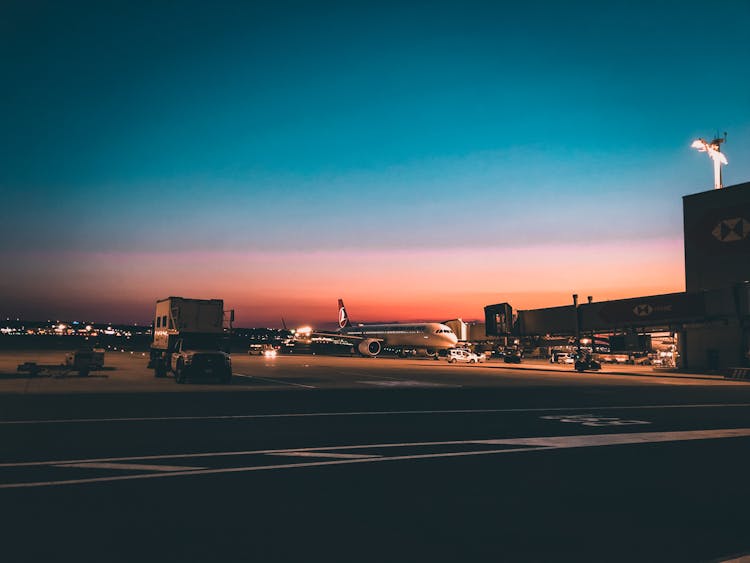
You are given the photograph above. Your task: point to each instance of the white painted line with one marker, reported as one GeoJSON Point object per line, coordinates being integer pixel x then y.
{"type": "Point", "coordinates": [406, 383]}
{"type": "Point", "coordinates": [620, 439]}
{"type": "Point", "coordinates": [322, 454]}
{"type": "Point", "coordinates": [268, 379]}
{"type": "Point", "coordinates": [128, 466]}
{"type": "Point", "coordinates": [591, 420]}
{"type": "Point", "coordinates": [533, 444]}
{"type": "Point", "coordinates": [258, 468]}
{"type": "Point", "coordinates": [366, 374]}
{"type": "Point", "coordinates": [231, 453]}
{"type": "Point", "coordinates": [366, 413]}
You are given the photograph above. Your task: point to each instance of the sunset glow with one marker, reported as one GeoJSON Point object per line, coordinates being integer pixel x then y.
{"type": "Point", "coordinates": [420, 161]}
{"type": "Point", "coordinates": [377, 285]}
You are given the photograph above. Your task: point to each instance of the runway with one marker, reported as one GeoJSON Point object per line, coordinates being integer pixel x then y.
{"type": "Point", "coordinates": [492, 464]}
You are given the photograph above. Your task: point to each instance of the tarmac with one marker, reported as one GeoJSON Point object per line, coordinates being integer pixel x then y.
{"type": "Point", "coordinates": [127, 372]}
{"type": "Point", "coordinates": [324, 458]}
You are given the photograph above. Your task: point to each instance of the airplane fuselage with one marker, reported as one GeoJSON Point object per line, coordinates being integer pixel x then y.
{"type": "Point", "coordinates": [434, 336]}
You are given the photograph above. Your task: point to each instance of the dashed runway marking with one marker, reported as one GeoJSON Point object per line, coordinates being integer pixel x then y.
{"type": "Point", "coordinates": [434, 450]}
{"type": "Point", "coordinates": [128, 466]}
{"type": "Point", "coordinates": [323, 455]}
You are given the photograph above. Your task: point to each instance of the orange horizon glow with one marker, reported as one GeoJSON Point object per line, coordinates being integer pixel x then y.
{"type": "Point", "coordinates": [403, 285]}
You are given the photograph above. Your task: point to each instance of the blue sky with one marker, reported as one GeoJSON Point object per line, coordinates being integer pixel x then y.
{"type": "Point", "coordinates": [181, 127]}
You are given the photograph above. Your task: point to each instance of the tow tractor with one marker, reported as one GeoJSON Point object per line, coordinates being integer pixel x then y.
{"type": "Point", "coordinates": [586, 362]}
{"type": "Point", "coordinates": [82, 361]}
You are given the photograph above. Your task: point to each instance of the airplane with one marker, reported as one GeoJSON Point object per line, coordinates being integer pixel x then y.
{"type": "Point", "coordinates": [426, 338]}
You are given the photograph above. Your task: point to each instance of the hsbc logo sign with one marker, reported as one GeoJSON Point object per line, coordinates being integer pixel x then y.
{"type": "Point", "coordinates": [731, 230]}
{"type": "Point", "coordinates": [714, 232]}
{"type": "Point", "coordinates": [647, 310]}
{"type": "Point", "coordinates": [643, 310]}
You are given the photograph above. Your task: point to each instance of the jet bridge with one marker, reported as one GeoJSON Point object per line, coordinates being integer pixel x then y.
{"type": "Point", "coordinates": [649, 313]}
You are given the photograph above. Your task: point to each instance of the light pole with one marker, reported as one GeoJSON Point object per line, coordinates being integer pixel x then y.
{"type": "Point", "coordinates": [577, 326]}
{"type": "Point", "coordinates": [713, 149]}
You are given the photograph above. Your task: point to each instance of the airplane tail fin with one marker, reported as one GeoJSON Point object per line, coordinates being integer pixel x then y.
{"type": "Point", "coordinates": [343, 317]}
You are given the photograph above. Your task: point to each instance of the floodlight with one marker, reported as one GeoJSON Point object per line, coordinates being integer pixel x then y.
{"type": "Point", "coordinates": [713, 149]}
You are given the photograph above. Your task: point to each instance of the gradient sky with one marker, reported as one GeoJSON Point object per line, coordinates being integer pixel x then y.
{"type": "Point", "coordinates": [418, 159]}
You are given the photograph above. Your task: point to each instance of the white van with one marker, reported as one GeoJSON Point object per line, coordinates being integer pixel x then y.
{"type": "Point", "coordinates": [561, 358]}
{"type": "Point", "coordinates": [461, 355]}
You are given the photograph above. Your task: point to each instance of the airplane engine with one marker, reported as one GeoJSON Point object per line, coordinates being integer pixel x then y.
{"type": "Point", "coordinates": [369, 347]}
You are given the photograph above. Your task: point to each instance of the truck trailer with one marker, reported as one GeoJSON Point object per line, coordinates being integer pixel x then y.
{"type": "Point", "coordinates": [190, 340]}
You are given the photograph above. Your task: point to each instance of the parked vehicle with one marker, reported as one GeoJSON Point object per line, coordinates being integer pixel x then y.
{"type": "Point", "coordinates": [462, 355]}
{"type": "Point", "coordinates": [561, 358]}
{"type": "Point", "coordinates": [90, 358]}
{"type": "Point", "coordinates": [587, 362]}
{"type": "Point", "coordinates": [255, 349]}
{"type": "Point", "coordinates": [189, 340]}
{"type": "Point", "coordinates": [511, 356]}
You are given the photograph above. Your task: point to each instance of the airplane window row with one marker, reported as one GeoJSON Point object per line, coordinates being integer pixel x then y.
{"type": "Point", "coordinates": [385, 331]}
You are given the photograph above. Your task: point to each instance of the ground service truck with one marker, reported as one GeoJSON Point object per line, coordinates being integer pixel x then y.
{"type": "Point", "coordinates": [190, 340]}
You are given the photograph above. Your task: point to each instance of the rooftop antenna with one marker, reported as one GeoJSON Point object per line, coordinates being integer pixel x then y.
{"type": "Point", "coordinates": [713, 148]}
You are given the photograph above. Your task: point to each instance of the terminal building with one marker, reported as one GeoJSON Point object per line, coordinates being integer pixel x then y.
{"type": "Point", "coordinates": [708, 325]}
